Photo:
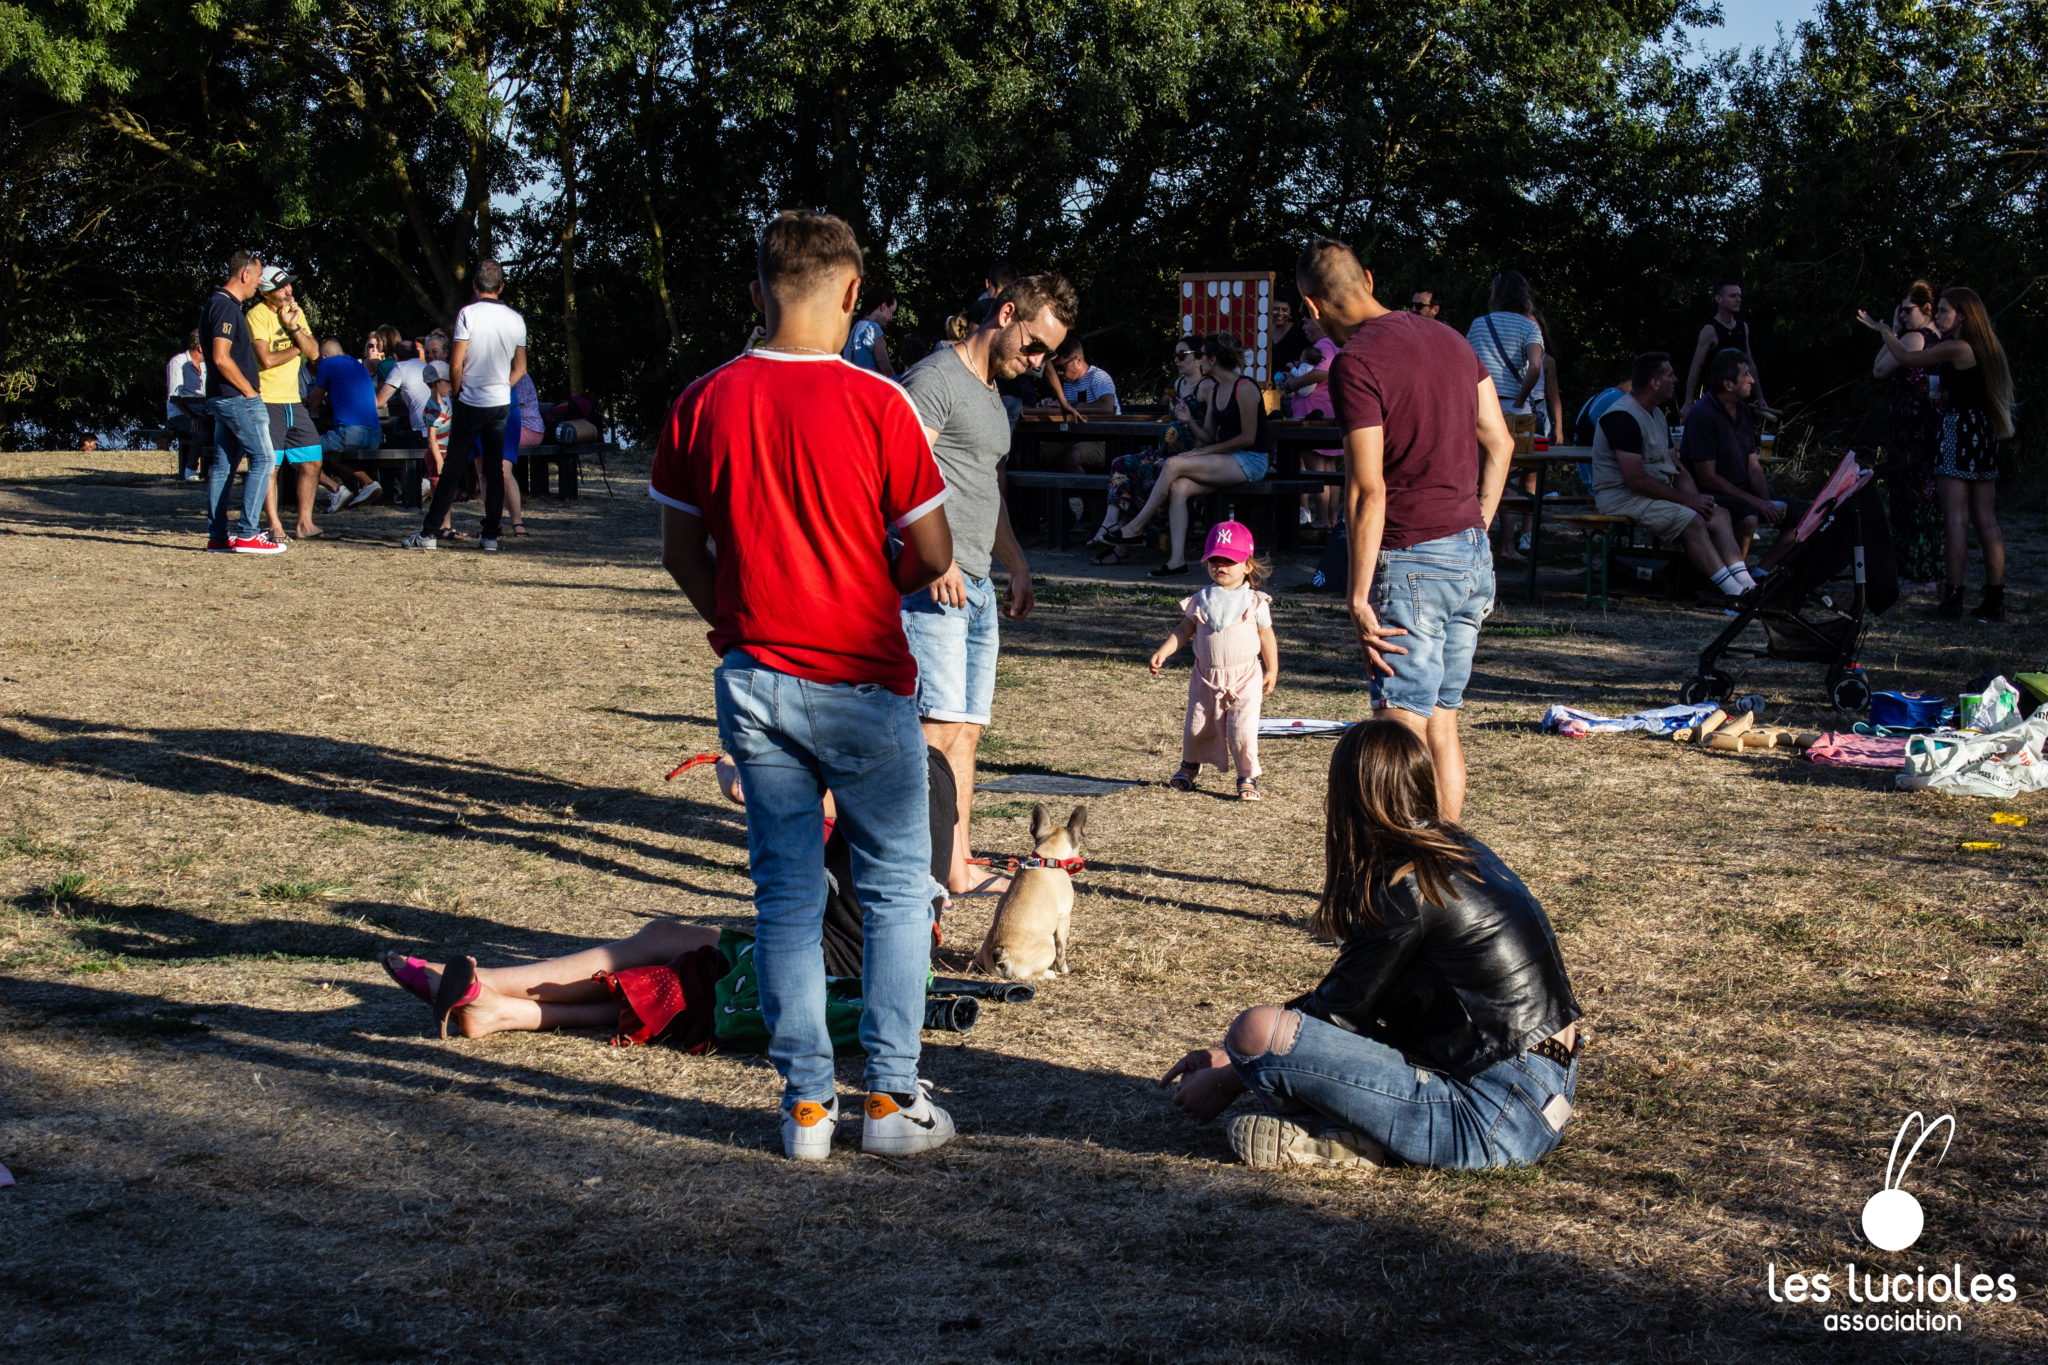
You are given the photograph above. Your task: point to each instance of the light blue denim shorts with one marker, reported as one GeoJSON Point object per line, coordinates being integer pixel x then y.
{"type": "Point", "coordinates": [955, 649]}
{"type": "Point", "coordinates": [1252, 462]}
{"type": "Point", "coordinates": [1439, 592]}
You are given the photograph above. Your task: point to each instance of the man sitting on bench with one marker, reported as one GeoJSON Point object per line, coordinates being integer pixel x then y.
{"type": "Point", "coordinates": [1723, 455]}
{"type": "Point", "coordinates": [1634, 476]}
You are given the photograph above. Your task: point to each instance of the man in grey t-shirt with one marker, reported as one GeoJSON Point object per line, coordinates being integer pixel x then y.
{"type": "Point", "coordinates": [952, 625]}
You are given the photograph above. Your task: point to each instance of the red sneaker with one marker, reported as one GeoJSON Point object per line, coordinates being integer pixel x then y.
{"type": "Point", "coordinates": [222, 546]}
{"type": "Point", "coordinates": [255, 545]}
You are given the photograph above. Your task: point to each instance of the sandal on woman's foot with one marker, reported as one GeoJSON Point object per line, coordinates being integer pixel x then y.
{"type": "Point", "coordinates": [1184, 780]}
{"type": "Point", "coordinates": [459, 987]}
{"type": "Point", "coordinates": [410, 973]}
{"type": "Point", "coordinates": [518, 528]}
{"type": "Point", "coordinates": [1170, 571]}
{"type": "Point", "coordinates": [1248, 789]}
{"type": "Point", "coordinates": [1112, 554]}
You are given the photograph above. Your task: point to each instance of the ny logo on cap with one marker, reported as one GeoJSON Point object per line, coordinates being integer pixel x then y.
{"type": "Point", "coordinates": [1223, 535]}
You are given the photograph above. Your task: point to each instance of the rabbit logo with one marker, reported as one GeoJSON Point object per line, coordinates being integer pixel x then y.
{"type": "Point", "coordinates": [1892, 1219]}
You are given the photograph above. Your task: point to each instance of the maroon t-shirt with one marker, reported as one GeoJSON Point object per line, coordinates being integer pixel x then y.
{"type": "Point", "coordinates": [1418, 380]}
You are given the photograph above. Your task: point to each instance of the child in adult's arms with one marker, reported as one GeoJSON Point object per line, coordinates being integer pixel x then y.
{"type": "Point", "coordinates": [1237, 661]}
{"type": "Point", "coordinates": [1444, 1035]}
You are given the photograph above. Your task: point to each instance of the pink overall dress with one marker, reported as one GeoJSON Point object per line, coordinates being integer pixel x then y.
{"type": "Point", "coordinates": [1225, 691]}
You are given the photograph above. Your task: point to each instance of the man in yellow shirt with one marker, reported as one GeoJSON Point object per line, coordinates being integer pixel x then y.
{"type": "Point", "coordinates": [284, 343]}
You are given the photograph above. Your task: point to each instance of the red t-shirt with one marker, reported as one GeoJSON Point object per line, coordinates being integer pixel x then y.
{"type": "Point", "coordinates": [1419, 381]}
{"type": "Point", "coordinates": [800, 466]}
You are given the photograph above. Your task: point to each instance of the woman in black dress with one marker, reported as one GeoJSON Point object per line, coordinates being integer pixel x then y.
{"type": "Point", "coordinates": [1973, 387]}
{"type": "Point", "coordinates": [1914, 500]}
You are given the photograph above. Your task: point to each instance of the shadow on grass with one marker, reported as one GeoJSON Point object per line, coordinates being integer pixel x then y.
{"type": "Point", "coordinates": [392, 789]}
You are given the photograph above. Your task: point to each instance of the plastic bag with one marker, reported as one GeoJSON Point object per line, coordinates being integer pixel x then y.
{"type": "Point", "coordinates": [1995, 708]}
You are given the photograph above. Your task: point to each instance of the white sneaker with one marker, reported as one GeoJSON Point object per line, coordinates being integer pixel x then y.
{"type": "Point", "coordinates": [1306, 518]}
{"type": "Point", "coordinates": [892, 1128]}
{"type": "Point", "coordinates": [190, 476]}
{"type": "Point", "coordinates": [807, 1130]}
{"type": "Point", "coordinates": [1265, 1140]}
{"type": "Point", "coordinates": [486, 543]}
{"type": "Point", "coordinates": [416, 541]}
{"type": "Point", "coordinates": [337, 500]}
{"type": "Point", "coordinates": [1523, 543]}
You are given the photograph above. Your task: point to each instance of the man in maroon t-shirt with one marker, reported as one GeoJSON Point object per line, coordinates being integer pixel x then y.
{"type": "Point", "coordinates": [1426, 453]}
{"type": "Point", "coordinates": [797, 466]}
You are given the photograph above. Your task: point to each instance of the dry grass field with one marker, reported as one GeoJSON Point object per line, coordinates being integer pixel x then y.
{"type": "Point", "coordinates": [227, 783]}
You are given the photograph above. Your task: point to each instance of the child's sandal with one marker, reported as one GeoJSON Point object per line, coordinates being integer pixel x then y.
{"type": "Point", "coordinates": [1248, 789]}
{"type": "Point", "coordinates": [1184, 780]}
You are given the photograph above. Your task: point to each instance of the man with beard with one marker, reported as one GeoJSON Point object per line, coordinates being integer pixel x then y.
{"type": "Point", "coordinates": [952, 625]}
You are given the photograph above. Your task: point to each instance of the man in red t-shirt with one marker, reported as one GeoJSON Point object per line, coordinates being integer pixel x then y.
{"type": "Point", "coordinates": [797, 466]}
{"type": "Point", "coordinates": [1426, 455]}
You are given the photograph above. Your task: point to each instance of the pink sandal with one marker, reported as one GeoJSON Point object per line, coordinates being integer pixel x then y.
{"type": "Point", "coordinates": [459, 981]}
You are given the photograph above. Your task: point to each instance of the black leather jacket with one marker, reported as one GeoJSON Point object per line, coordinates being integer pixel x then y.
{"type": "Point", "coordinates": [1458, 987]}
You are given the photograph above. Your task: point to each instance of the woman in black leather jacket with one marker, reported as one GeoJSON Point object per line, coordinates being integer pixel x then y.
{"type": "Point", "coordinates": [1444, 1034]}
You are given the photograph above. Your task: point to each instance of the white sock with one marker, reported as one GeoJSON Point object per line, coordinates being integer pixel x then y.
{"type": "Point", "coordinates": [1741, 572]}
{"type": "Point", "coordinates": [1727, 582]}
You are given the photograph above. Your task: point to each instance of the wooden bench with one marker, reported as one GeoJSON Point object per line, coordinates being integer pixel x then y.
{"type": "Point", "coordinates": [400, 469]}
{"type": "Point", "coordinates": [1283, 531]}
{"type": "Point", "coordinates": [1599, 528]}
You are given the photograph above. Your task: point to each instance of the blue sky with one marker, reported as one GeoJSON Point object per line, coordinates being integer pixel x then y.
{"type": "Point", "coordinates": [1753, 23]}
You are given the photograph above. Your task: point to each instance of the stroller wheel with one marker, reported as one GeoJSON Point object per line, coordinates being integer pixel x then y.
{"type": "Point", "coordinates": [1850, 691]}
{"type": "Point", "coordinates": [1704, 688]}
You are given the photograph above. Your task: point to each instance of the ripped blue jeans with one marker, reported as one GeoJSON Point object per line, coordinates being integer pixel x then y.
{"type": "Point", "coordinates": [1423, 1117]}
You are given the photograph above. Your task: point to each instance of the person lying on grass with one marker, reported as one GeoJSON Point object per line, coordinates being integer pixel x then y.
{"type": "Point", "coordinates": [1443, 1035]}
{"type": "Point", "coordinates": [567, 992]}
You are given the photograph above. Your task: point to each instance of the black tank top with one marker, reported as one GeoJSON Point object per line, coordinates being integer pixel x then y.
{"type": "Point", "coordinates": [1962, 390]}
{"type": "Point", "coordinates": [1229, 424]}
{"type": "Point", "coordinates": [1734, 338]}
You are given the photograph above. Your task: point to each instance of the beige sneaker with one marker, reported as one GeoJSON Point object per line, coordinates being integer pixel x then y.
{"type": "Point", "coordinates": [1263, 1140]}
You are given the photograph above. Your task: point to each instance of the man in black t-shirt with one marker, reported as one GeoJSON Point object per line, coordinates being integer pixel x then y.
{"type": "Point", "coordinates": [241, 422]}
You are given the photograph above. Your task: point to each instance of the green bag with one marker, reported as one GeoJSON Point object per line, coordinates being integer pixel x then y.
{"type": "Point", "coordinates": [740, 1027]}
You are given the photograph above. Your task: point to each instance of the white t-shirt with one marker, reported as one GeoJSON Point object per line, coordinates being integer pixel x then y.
{"type": "Point", "coordinates": [494, 331]}
{"type": "Point", "coordinates": [183, 378]}
{"type": "Point", "coordinates": [410, 378]}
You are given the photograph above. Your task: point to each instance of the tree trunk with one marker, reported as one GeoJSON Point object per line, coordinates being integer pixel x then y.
{"type": "Point", "coordinates": [565, 146]}
{"type": "Point", "coordinates": [657, 249]}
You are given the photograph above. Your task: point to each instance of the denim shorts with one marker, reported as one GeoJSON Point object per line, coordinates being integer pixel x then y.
{"type": "Point", "coordinates": [1252, 462]}
{"type": "Point", "coordinates": [1439, 592]}
{"type": "Point", "coordinates": [955, 649]}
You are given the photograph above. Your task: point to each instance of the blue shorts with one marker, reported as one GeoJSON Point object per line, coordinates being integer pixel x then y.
{"type": "Point", "coordinates": [1439, 592]}
{"type": "Point", "coordinates": [955, 649]}
{"type": "Point", "coordinates": [1252, 462]}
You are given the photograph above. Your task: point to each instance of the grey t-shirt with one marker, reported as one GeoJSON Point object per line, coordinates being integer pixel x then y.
{"type": "Point", "coordinates": [974, 435]}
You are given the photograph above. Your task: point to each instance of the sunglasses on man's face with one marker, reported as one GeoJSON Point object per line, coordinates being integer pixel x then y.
{"type": "Point", "coordinates": [1416, 305]}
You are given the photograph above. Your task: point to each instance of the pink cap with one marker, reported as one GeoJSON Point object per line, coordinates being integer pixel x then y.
{"type": "Point", "coordinates": [1231, 540]}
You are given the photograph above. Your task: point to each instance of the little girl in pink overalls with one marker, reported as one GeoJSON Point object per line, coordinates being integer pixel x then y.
{"type": "Point", "coordinates": [1237, 661]}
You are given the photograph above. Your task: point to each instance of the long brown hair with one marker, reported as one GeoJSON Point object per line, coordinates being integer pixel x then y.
{"type": "Point", "coordinates": [1973, 325]}
{"type": "Point", "coordinates": [1381, 823]}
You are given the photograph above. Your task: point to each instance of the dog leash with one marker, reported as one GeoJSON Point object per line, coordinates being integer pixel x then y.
{"type": "Point", "coordinates": [699, 761]}
{"type": "Point", "coordinates": [1069, 865]}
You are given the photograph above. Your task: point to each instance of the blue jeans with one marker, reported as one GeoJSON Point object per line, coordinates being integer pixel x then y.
{"type": "Point", "coordinates": [955, 649]}
{"type": "Point", "coordinates": [352, 437]}
{"type": "Point", "coordinates": [1439, 592]}
{"type": "Point", "coordinates": [1423, 1117]}
{"type": "Point", "coordinates": [793, 740]}
{"type": "Point", "coordinates": [241, 428]}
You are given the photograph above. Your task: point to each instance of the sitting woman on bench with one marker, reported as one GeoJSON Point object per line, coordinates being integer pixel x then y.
{"type": "Point", "coordinates": [1236, 454]}
{"type": "Point", "coordinates": [1445, 1033]}
{"type": "Point", "coordinates": [1133, 476]}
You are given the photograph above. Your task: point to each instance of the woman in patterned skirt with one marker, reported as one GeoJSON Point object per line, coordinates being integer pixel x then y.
{"type": "Point", "coordinates": [1973, 384]}
{"type": "Point", "coordinates": [1915, 445]}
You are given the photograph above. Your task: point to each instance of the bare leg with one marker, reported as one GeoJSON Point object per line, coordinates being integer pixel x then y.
{"type": "Point", "coordinates": [309, 485]}
{"type": "Point", "coordinates": [1177, 521]}
{"type": "Point", "coordinates": [270, 501]}
{"type": "Point", "coordinates": [1723, 533]}
{"type": "Point", "coordinates": [512, 510]}
{"type": "Point", "coordinates": [1440, 732]}
{"type": "Point", "coordinates": [1955, 519]}
{"type": "Point", "coordinates": [1322, 504]}
{"type": "Point", "coordinates": [1168, 472]}
{"type": "Point", "coordinates": [1983, 498]}
{"type": "Point", "coordinates": [1699, 547]}
{"type": "Point", "coordinates": [1744, 534]}
{"type": "Point", "coordinates": [559, 993]}
{"type": "Point", "coordinates": [957, 740]}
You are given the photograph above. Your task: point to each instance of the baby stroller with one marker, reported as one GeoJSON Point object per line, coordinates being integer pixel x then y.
{"type": "Point", "coordinates": [1807, 613]}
